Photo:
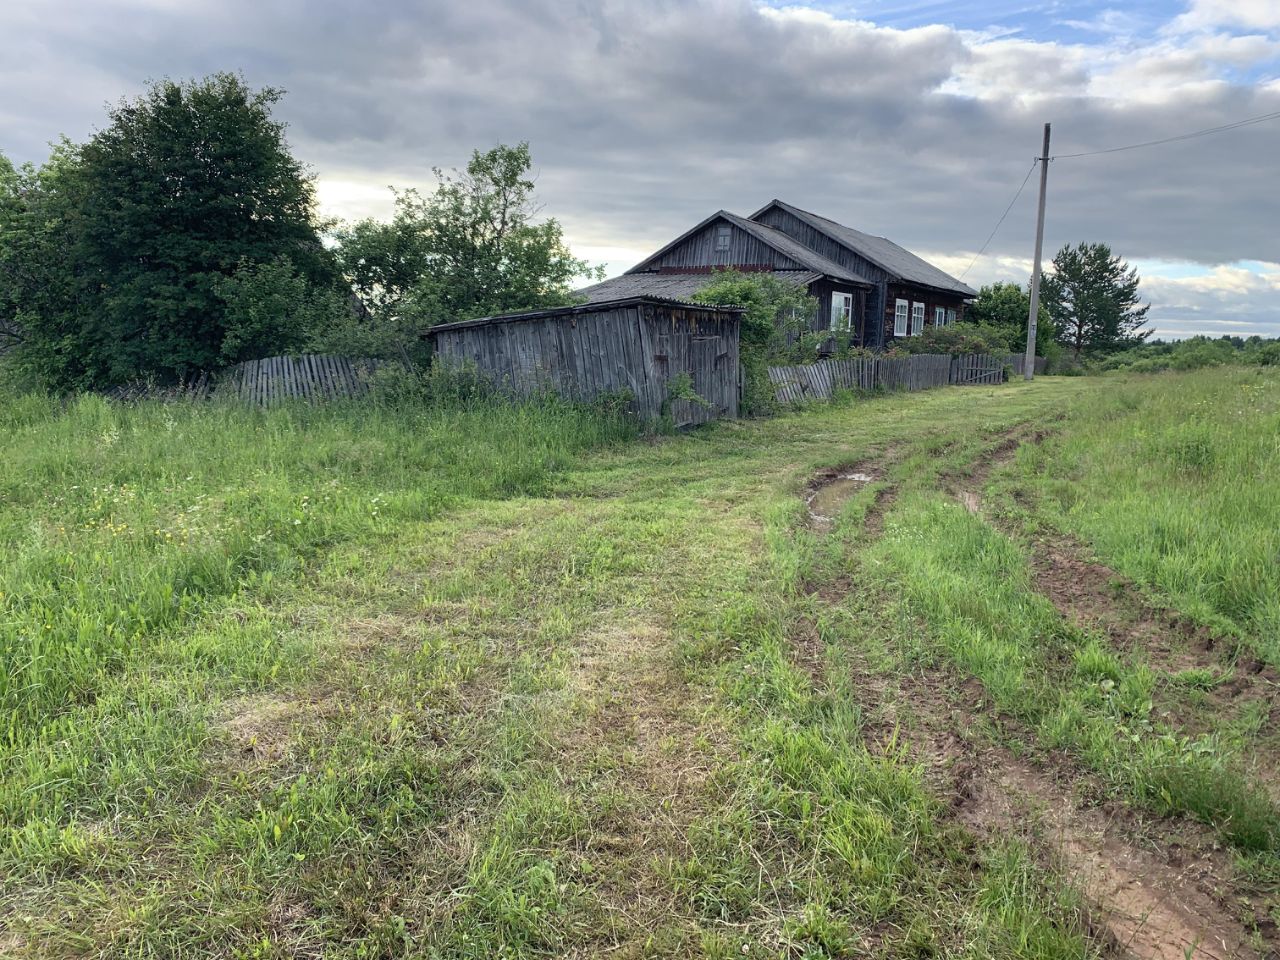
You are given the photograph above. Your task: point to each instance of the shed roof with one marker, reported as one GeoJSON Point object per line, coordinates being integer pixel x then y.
{"type": "Point", "coordinates": [680, 286]}
{"type": "Point", "coordinates": [776, 239]}
{"type": "Point", "coordinates": [579, 308]}
{"type": "Point", "coordinates": [881, 251]}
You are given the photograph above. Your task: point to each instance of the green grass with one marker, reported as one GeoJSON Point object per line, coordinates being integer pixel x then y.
{"type": "Point", "coordinates": [384, 682]}
{"type": "Point", "coordinates": [1174, 480]}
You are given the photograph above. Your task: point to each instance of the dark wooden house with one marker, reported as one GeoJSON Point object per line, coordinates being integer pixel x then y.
{"type": "Point", "coordinates": [634, 344]}
{"type": "Point", "coordinates": [908, 293]}
{"type": "Point", "coordinates": [867, 285]}
{"type": "Point", "coordinates": [724, 240]}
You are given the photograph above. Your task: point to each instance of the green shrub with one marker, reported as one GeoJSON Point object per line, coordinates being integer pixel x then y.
{"type": "Point", "coordinates": [957, 338]}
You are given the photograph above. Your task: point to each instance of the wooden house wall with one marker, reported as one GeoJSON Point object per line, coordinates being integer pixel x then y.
{"type": "Point", "coordinates": [637, 348]}
{"type": "Point", "coordinates": [699, 250]}
{"type": "Point", "coordinates": [930, 299]}
{"type": "Point", "coordinates": [702, 343]}
{"type": "Point", "coordinates": [881, 298]}
{"type": "Point", "coordinates": [822, 290]}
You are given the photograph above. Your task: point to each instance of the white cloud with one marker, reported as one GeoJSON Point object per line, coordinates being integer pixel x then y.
{"type": "Point", "coordinates": [1252, 14]}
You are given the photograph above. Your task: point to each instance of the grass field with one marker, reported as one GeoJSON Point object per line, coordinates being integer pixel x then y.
{"type": "Point", "coordinates": [357, 682]}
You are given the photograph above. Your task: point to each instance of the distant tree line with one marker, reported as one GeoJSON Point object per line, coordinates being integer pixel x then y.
{"type": "Point", "coordinates": [184, 237]}
{"type": "Point", "coordinates": [1194, 353]}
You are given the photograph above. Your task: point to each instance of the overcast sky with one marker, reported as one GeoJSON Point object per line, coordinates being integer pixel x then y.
{"type": "Point", "coordinates": [915, 119]}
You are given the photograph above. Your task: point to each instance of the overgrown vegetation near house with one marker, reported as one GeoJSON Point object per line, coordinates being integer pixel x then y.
{"type": "Point", "coordinates": [469, 680]}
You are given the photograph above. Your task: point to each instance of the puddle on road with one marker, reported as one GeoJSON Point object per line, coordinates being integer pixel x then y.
{"type": "Point", "coordinates": [832, 494]}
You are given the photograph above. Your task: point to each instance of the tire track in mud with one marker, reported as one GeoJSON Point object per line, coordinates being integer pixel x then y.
{"type": "Point", "coordinates": [1097, 599]}
{"type": "Point", "coordinates": [1151, 902]}
{"type": "Point", "coordinates": [1147, 901]}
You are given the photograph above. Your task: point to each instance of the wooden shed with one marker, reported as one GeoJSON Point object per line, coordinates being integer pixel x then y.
{"type": "Point", "coordinates": [638, 344]}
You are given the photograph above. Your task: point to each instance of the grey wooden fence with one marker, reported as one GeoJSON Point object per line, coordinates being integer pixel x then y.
{"type": "Point", "coordinates": [1018, 361]}
{"type": "Point", "coordinates": [311, 377]}
{"type": "Point", "coordinates": [973, 369]}
{"type": "Point", "coordinates": [922, 371]}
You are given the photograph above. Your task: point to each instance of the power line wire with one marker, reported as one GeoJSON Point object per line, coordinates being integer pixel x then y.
{"type": "Point", "coordinates": [1248, 121]}
{"type": "Point", "coordinates": [1001, 220]}
{"type": "Point", "coordinates": [1185, 136]}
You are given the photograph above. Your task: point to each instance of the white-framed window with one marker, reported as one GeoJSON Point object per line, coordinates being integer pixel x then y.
{"type": "Point", "coordinates": [842, 311]}
{"type": "Point", "coordinates": [900, 314]}
{"type": "Point", "coordinates": [917, 319]}
{"type": "Point", "coordinates": [939, 316]}
{"type": "Point", "coordinates": [951, 315]}
{"type": "Point", "coordinates": [722, 239]}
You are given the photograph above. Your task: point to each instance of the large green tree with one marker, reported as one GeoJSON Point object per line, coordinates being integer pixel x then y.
{"type": "Point", "coordinates": [43, 285]}
{"type": "Point", "coordinates": [137, 229]}
{"type": "Point", "coordinates": [1092, 296]}
{"type": "Point", "coordinates": [471, 247]}
{"type": "Point", "coordinates": [1006, 307]}
{"type": "Point", "coordinates": [11, 207]}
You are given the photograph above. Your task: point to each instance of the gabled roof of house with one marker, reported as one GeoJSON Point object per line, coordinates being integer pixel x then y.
{"type": "Point", "coordinates": [776, 239]}
{"type": "Point", "coordinates": [679, 286]}
{"type": "Point", "coordinates": [884, 253]}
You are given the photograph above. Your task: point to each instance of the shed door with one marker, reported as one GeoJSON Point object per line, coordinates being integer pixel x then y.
{"type": "Point", "coordinates": [705, 360]}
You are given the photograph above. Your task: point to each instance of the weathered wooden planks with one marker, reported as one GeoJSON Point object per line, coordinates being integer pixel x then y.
{"type": "Point", "coordinates": [638, 345]}
{"type": "Point", "coordinates": [310, 377]}
{"type": "Point", "coordinates": [818, 381]}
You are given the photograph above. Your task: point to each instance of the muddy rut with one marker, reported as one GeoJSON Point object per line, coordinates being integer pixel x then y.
{"type": "Point", "coordinates": [1145, 901]}
{"type": "Point", "coordinates": [1097, 599]}
{"type": "Point", "coordinates": [1151, 901]}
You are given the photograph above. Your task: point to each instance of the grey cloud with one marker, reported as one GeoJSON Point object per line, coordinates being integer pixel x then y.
{"type": "Point", "coordinates": [646, 117]}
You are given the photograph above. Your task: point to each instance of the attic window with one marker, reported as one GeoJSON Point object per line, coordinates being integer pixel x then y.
{"type": "Point", "coordinates": [722, 239]}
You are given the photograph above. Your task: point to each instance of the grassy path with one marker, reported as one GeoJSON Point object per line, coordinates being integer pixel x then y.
{"type": "Point", "coordinates": [645, 707]}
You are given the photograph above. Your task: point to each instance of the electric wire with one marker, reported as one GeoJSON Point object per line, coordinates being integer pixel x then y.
{"type": "Point", "coordinates": [1248, 121]}
{"type": "Point", "coordinates": [1002, 219]}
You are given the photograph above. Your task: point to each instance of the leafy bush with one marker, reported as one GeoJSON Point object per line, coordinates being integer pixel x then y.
{"type": "Point", "coordinates": [958, 338]}
{"type": "Point", "coordinates": [118, 247]}
{"type": "Point", "coordinates": [775, 328]}
{"type": "Point", "coordinates": [270, 309]}
{"type": "Point", "coordinates": [433, 385]}
{"type": "Point", "coordinates": [777, 313]}
{"type": "Point", "coordinates": [354, 333]}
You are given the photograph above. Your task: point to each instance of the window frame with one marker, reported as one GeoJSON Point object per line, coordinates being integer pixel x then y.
{"type": "Point", "coordinates": [845, 300]}
{"type": "Point", "coordinates": [901, 317]}
{"type": "Point", "coordinates": [723, 233]}
{"type": "Point", "coordinates": [917, 314]}
{"type": "Point", "coordinates": [951, 315]}
{"type": "Point", "coordinates": [939, 316]}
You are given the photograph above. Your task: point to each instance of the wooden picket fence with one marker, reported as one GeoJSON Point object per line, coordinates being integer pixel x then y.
{"type": "Point", "coordinates": [310, 377]}
{"type": "Point", "coordinates": [1018, 361]}
{"type": "Point", "coordinates": [922, 371]}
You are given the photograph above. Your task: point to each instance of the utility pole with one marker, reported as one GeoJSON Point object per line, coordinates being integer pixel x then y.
{"type": "Point", "coordinates": [1035, 273]}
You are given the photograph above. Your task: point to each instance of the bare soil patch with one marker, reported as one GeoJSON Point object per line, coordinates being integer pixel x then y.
{"type": "Point", "coordinates": [1151, 901]}
{"type": "Point", "coordinates": [966, 486]}
{"type": "Point", "coordinates": [257, 728]}
{"type": "Point", "coordinates": [641, 716]}
{"type": "Point", "coordinates": [829, 490]}
{"type": "Point", "coordinates": [1096, 598]}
